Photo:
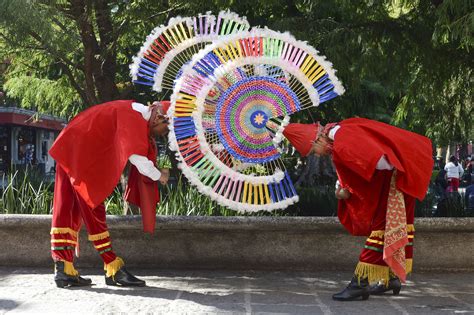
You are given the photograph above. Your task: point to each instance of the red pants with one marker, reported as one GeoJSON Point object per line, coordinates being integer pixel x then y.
{"type": "Point", "coordinates": [371, 263]}
{"type": "Point", "coordinates": [453, 184]}
{"type": "Point", "coordinates": [69, 210]}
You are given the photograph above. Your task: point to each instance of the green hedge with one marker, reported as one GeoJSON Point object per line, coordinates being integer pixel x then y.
{"type": "Point", "coordinates": [25, 193]}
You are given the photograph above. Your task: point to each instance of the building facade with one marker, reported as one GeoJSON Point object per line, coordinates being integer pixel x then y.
{"type": "Point", "coordinates": [25, 139]}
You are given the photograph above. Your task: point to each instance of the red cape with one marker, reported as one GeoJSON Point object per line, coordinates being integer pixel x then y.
{"type": "Point", "coordinates": [143, 192]}
{"type": "Point", "coordinates": [95, 146]}
{"type": "Point", "coordinates": [358, 146]}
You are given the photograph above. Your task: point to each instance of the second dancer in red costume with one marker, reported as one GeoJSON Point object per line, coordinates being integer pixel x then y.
{"type": "Point", "coordinates": [381, 170]}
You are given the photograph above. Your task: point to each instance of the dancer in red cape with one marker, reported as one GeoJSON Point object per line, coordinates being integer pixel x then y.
{"type": "Point", "coordinates": [381, 170]}
{"type": "Point", "coordinates": [91, 153]}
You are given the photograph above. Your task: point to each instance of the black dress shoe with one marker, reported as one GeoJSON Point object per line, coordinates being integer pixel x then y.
{"type": "Point", "coordinates": [124, 278]}
{"type": "Point", "coordinates": [380, 288]}
{"type": "Point", "coordinates": [64, 280]}
{"type": "Point", "coordinates": [353, 291]}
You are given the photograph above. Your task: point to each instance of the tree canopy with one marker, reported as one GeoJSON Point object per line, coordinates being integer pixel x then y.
{"type": "Point", "coordinates": [407, 62]}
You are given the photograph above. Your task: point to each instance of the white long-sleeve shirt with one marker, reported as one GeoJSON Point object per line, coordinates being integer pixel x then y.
{"type": "Point", "coordinates": [142, 163]}
{"type": "Point", "coordinates": [382, 164]}
{"type": "Point", "coordinates": [453, 171]}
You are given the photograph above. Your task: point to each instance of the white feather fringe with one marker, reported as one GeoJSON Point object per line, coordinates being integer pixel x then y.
{"type": "Point", "coordinates": [207, 190]}
{"type": "Point", "coordinates": [285, 37]}
{"type": "Point", "coordinates": [231, 204]}
{"type": "Point", "coordinates": [189, 21]}
{"type": "Point", "coordinates": [279, 134]}
{"type": "Point", "coordinates": [169, 57]}
{"type": "Point", "coordinates": [188, 72]}
{"type": "Point", "coordinates": [155, 33]}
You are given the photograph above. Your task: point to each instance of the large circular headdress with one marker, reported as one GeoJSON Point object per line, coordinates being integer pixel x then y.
{"type": "Point", "coordinates": [229, 107]}
{"type": "Point", "coordinates": [170, 46]}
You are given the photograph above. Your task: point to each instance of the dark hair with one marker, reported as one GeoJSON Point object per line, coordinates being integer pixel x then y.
{"type": "Point", "coordinates": [453, 159]}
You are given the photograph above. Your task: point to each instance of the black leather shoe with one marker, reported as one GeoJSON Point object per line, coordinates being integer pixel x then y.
{"type": "Point", "coordinates": [380, 288]}
{"type": "Point", "coordinates": [64, 280]}
{"type": "Point", "coordinates": [125, 279]}
{"type": "Point", "coordinates": [353, 291]}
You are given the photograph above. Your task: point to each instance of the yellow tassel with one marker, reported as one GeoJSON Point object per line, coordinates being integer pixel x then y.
{"type": "Point", "coordinates": [373, 272]}
{"type": "Point", "coordinates": [379, 234]}
{"type": "Point", "coordinates": [112, 268]}
{"type": "Point", "coordinates": [69, 269]}
{"type": "Point", "coordinates": [56, 230]}
{"type": "Point", "coordinates": [99, 236]}
{"type": "Point", "coordinates": [410, 228]}
{"type": "Point", "coordinates": [409, 265]}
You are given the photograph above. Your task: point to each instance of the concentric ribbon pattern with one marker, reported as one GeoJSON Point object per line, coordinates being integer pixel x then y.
{"type": "Point", "coordinates": [223, 104]}
{"type": "Point", "coordinates": [243, 111]}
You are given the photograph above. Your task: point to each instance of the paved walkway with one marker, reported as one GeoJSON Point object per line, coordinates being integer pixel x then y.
{"type": "Point", "coordinates": [32, 291]}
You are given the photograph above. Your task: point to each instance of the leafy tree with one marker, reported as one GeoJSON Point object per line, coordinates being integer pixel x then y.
{"type": "Point", "coordinates": [68, 55]}
{"type": "Point", "coordinates": [407, 62]}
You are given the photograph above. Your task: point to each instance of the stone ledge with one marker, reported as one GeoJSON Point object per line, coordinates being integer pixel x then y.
{"type": "Point", "coordinates": [134, 222]}
{"type": "Point", "coordinates": [267, 243]}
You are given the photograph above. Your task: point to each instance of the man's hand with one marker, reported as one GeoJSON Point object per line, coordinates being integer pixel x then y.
{"type": "Point", "coordinates": [342, 193]}
{"type": "Point", "coordinates": [165, 175]}
{"type": "Point", "coordinates": [159, 105]}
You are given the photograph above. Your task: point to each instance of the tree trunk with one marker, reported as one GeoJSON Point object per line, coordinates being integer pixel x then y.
{"type": "Point", "coordinates": [463, 153]}
{"type": "Point", "coordinates": [105, 74]}
{"type": "Point", "coordinates": [99, 49]}
{"type": "Point", "coordinates": [82, 11]}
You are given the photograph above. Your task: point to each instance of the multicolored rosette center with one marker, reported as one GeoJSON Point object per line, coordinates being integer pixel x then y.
{"type": "Point", "coordinates": [243, 111]}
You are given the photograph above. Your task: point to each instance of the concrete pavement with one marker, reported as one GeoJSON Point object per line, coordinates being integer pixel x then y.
{"type": "Point", "coordinates": [32, 291]}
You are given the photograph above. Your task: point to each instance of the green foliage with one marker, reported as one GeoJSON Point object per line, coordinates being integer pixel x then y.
{"type": "Point", "coordinates": [451, 205]}
{"type": "Point", "coordinates": [163, 161]}
{"type": "Point", "coordinates": [315, 201]}
{"type": "Point", "coordinates": [186, 200]}
{"type": "Point", "coordinates": [40, 44]}
{"type": "Point", "coordinates": [455, 23]}
{"type": "Point", "coordinates": [408, 62]}
{"type": "Point", "coordinates": [52, 96]}
{"type": "Point", "coordinates": [114, 204]}
{"type": "Point", "coordinates": [25, 193]}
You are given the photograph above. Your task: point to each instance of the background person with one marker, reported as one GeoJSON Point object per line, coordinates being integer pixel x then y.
{"type": "Point", "coordinates": [454, 172]}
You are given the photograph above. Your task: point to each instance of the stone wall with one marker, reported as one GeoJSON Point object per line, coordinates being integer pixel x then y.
{"type": "Point", "coordinates": [270, 243]}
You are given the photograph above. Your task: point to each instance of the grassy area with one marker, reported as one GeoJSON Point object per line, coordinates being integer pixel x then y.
{"type": "Point", "coordinates": [24, 193]}
{"type": "Point", "coordinates": [182, 199]}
